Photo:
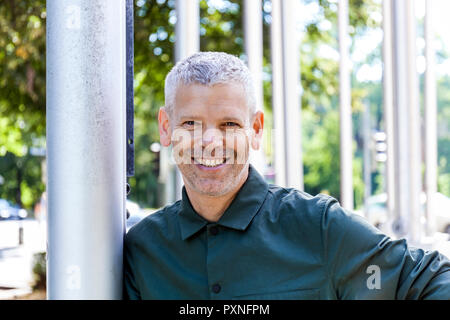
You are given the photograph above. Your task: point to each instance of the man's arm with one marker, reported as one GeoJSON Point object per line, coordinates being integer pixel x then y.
{"type": "Point", "coordinates": [363, 263]}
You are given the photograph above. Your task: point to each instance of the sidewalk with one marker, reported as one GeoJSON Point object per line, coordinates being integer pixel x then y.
{"type": "Point", "coordinates": [15, 271]}
{"type": "Point", "coordinates": [16, 260]}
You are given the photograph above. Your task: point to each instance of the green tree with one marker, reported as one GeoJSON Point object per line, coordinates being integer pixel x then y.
{"type": "Point", "coordinates": [22, 81]}
{"type": "Point", "coordinates": [22, 98]}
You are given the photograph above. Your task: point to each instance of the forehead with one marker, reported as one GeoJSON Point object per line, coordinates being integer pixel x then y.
{"type": "Point", "coordinates": [219, 100]}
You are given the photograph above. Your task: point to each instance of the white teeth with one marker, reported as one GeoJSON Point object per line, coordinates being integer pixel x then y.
{"type": "Point", "coordinates": [210, 163]}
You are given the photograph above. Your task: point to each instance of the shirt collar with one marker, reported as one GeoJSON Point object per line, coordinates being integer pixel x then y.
{"type": "Point", "coordinates": [237, 216]}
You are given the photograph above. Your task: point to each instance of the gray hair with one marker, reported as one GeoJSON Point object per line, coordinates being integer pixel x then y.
{"type": "Point", "coordinates": [209, 68]}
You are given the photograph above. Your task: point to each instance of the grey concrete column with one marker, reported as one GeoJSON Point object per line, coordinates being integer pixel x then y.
{"type": "Point", "coordinates": [86, 139]}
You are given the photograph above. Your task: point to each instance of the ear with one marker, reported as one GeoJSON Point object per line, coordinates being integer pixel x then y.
{"type": "Point", "coordinates": [257, 129]}
{"type": "Point", "coordinates": [164, 127]}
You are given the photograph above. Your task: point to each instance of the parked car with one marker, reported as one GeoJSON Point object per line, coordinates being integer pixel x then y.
{"type": "Point", "coordinates": [11, 211]}
{"type": "Point", "coordinates": [376, 212]}
{"type": "Point", "coordinates": [134, 214]}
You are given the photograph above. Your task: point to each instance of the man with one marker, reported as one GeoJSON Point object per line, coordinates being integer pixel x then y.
{"type": "Point", "coordinates": [233, 236]}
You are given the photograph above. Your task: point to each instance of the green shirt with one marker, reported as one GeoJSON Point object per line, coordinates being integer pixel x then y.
{"type": "Point", "coordinates": [275, 243]}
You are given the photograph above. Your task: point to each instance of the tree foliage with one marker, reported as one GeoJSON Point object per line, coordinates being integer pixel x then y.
{"type": "Point", "coordinates": [22, 98]}
{"type": "Point", "coordinates": [22, 88]}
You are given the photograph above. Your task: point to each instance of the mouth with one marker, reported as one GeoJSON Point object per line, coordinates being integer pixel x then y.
{"type": "Point", "coordinates": [210, 164]}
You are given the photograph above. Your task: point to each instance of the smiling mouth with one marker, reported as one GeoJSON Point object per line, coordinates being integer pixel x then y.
{"type": "Point", "coordinates": [210, 163]}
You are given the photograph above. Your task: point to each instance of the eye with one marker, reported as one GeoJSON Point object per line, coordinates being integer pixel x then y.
{"type": "Point", "coordinates": [188, 123]}
{"type": "Point", "coordinates": [231, 124]}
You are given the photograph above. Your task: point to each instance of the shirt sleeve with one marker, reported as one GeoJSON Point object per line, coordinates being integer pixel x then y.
{"type": "Point", "coordinates": [130, 291]}
{"type": "Point", "coordinates": [364, 263]}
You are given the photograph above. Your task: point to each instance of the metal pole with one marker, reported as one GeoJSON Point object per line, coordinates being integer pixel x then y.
{"type": "Point", "coordinates": [402, 205]}
{"type": "Point", "coordinates": [388, 100]}
{"type": "Point", "coordinates": [277, 94]}
{"type": "Point", "coordinates": [86, 141]}
{"type": "Point", "coordinates": [407, 123]}
{"type": "Point", "coordinates": [366, 157]}
{"type": "Point", "coordinates": [292, 108]}
{"type": "Point", "coordinates": [253, 36]}
{"type": "Point", "coordinates": [346, 140]}
{"type": "Point", "coordinates": [430, 120]}
{"type": "Point", "coordinates": [187, 30]}
{"type": "Point", "coordinates": [414, 136]}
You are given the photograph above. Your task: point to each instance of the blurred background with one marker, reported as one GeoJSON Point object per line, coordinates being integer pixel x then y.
{"type": "Point", "coordinates": [23, 113]}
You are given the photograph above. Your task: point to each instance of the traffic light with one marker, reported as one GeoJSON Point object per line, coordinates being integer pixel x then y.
{"type": "Point", "coordinates": [380, 146]}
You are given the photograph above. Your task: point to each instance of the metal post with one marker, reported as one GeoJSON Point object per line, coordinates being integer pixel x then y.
{"type": "Point", "coordinates": [291, 86]}
{"type": "Point", "coordinates": [86, 141]}
{"type": "Point", "coordinates": [414, 135]}
{"type": "Point", "coordinates": [366, 157]}
{"type": "Point", "coordinates": [277, 94]}
{"type": "Point", "coordinates": [430, 120]}
{"type": "Point", "coordinates": [407, 123]}
{"type": "Point", "coordinates": [187, 30]}
{"type": "Point", "coordinates": [346, 140]}
{"type": "Point", "coordinates": [388, 100]}
{"type": "Point", "coordinates": [20, 232]}
{"type": "Point", "coordinates": [399, 49]}
{"type": "Point", "coordinates": [286, 95]}
{"type": "Point", "coordinates": [253, 39]}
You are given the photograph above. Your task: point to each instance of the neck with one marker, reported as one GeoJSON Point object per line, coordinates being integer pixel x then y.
{"type": "Point", "coordinates": [213, 207]}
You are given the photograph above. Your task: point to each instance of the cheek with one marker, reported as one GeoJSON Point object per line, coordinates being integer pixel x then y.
{"type": "Point", "coordinates": [238, 144]}
{"type": "Point", "coordinates": [182, 141]}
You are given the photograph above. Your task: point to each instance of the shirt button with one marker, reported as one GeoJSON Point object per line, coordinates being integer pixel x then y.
{"type": "Point", "coordinates": [214, 230]}
{"type": "Point", "coordinates": [216, 288]}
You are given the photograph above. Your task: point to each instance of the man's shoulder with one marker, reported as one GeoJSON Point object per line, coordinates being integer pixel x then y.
{"type": "Point", "coordinates": [154, 223]}
{"type": "Point", "coordinates": [298, 201]}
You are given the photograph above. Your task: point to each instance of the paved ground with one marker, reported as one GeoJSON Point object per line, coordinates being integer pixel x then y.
{"type": "Point", "coordinates": [16, 258]}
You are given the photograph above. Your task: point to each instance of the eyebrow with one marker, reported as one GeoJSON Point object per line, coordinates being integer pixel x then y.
{"type": "Point", "coordinates": [231, 119]}
{"type": "Point", "coordinates": [185, 117]}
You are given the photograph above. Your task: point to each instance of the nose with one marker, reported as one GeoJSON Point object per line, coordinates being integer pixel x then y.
{"type": "Point", "coordinates": [211, 143]}
{"type": "Point", "coordinates": [211, 135]}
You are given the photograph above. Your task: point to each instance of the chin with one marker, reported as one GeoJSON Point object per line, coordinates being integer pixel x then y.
{"type": "Point", "coordinates": [213, 186]}
{"type": "Point", "coordinates": [214, 191]}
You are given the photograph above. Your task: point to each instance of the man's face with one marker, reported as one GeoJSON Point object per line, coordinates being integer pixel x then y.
{"type": "Point", "coordinates": [211, 129]}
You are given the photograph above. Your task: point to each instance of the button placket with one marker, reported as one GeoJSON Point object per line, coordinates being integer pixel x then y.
{"type": "Point", "coordinates": [215, 274]}
{"type": "Point", "coordinates": [214, 230]}
{"type": "Point", "coordinates": [216, 288]}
